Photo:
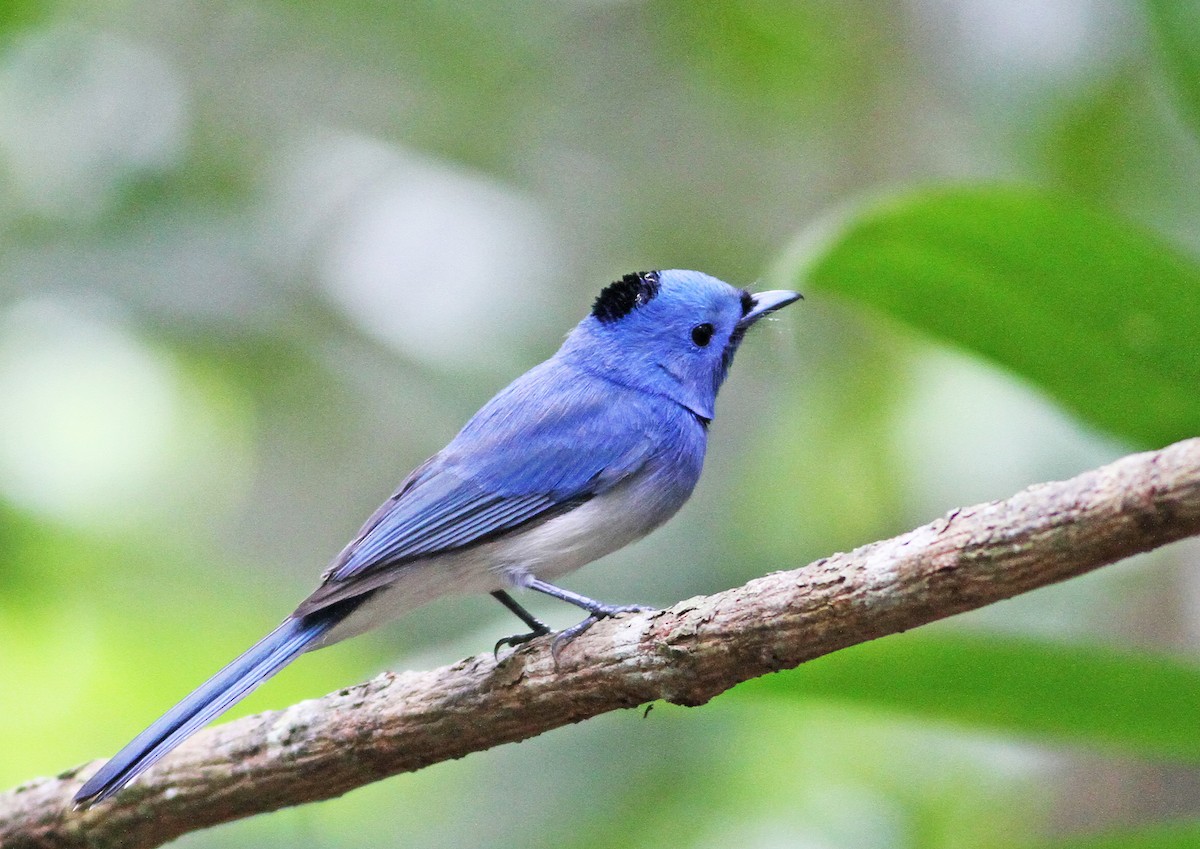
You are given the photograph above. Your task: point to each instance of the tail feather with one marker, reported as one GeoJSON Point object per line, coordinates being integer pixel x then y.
{"type": "Point", "coordinates": [209, 700]}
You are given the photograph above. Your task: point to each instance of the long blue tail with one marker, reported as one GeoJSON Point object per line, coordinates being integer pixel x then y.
{"type": "Point", "coordinates": [210, 699]}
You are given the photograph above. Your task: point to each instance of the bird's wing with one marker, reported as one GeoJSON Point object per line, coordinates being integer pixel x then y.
{"type": "Point", "coordinates": [537, 450]}
{"type": "Point", "coordinates": [440, 513]}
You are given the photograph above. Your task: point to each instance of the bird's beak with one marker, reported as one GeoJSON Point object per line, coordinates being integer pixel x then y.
{"type": "Point", "coordinates": [766, 303]}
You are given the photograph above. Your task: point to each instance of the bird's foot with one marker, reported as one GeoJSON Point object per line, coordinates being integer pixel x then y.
{"type": "Point", "coordinates": [520, 639]}
{"type": "Point", "coordinates": [595, 614]}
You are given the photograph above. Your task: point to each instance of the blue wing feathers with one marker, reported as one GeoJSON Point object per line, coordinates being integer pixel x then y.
{"type": "Point", "coordinates": [550, 441]}
{"type": "Point", "coordinates": [493, 514]}
{"type": "Point", "coordinates": [396, 525]}
{"type": "Point", "coordinates": [557, 431]}
{"type": "Point", "coordinates": [424, 529]}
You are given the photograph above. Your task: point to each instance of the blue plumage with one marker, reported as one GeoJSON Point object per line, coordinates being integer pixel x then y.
{"type": "Point", "coordinates": [518, 458]}
{"type": "Point", "coordinates": [212, 698]}
{"type": "Point", "coordinates": [583, 454]}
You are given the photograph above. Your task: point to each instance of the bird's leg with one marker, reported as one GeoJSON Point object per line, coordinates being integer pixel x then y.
{"type": "Point", "coordinates": [537, 627]}
{"type": "Point", "coordinates": [597, 610]}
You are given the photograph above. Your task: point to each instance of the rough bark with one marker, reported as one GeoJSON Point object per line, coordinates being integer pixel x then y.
{"type": "Point", "coordinates": [687, 654]}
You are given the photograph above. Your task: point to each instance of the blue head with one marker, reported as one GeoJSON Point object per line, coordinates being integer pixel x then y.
{"type": "Point", "coordinates": [672, 333]}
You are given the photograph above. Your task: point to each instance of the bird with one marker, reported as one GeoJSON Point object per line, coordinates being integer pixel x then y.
{"type": "Point", "coordinates": [580, 456]}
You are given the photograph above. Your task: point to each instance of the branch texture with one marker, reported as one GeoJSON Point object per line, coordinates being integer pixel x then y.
{"type": "Point", "coordinates": [687, 654]}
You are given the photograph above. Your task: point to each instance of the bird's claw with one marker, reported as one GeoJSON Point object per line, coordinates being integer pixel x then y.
{"type": "Point", "coordinates": [597, 613]}
{"type": "Point", "coordinates": [518, 640]}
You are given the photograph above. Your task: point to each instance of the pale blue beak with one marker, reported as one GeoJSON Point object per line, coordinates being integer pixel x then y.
{"type": "Point", "coordinates": [766, 303]}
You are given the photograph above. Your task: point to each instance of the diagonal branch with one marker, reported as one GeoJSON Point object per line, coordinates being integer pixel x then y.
{"type": "Point", "coordinates": [687, 654]}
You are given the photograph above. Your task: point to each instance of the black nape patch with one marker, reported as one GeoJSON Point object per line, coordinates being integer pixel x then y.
{"type": "Point", "coordinates": [747, 302]}
{"type": "Point", "coordinates": [619, 299]}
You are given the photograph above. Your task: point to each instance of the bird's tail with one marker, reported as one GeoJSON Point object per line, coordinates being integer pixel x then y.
{"type": "Point", "coordinates": [210, 699]}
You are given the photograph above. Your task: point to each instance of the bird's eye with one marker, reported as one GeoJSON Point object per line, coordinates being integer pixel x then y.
{"type": "Point", "coordinates": [702, 334]}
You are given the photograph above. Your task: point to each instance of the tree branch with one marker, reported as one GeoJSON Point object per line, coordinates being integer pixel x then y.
{"type": "Point", "coordinates": [687, 654]}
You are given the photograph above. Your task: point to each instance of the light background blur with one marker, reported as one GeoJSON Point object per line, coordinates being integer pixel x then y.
{"type": "Point", "coordinates": [259, 259]}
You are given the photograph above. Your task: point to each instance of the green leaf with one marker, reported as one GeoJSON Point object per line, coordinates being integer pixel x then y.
{"type": "Point", "coordinates": [1102, 316]}
{"type": "Point", "coordinates": [17, 16]}
{"type": "Point", "coordinates": [1141, 704]}
{"type": "Point", "coordinates": [1175, 835]}
{"type": "Point", "coordinates": [1176, 26]}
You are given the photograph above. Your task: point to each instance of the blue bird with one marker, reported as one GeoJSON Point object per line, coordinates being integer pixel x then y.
{"type": "Point", "coordinates": [581, 455]}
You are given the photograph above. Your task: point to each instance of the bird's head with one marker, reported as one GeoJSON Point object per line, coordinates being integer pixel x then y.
{"type": "Point", "coordinates": [673, 333]}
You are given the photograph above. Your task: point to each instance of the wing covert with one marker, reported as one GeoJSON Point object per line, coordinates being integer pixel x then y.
{"type": "Point", "coordinates": [546, 444]}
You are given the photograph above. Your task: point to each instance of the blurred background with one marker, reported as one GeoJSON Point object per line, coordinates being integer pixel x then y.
{"type": "Point", "coordinates": [259, 259]}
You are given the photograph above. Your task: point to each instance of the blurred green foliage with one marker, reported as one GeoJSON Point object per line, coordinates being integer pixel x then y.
{"type": "Point", "coordinates": [1176, 26]}
{"type": "Point", "coordinates": [1167, 836]}
{"type": "Point", "coordinates": [1145, 704]}
{"type": "Point", "coordinates": [259, 259]}
{"type": "Point", "coordinates": [1083, 305]}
